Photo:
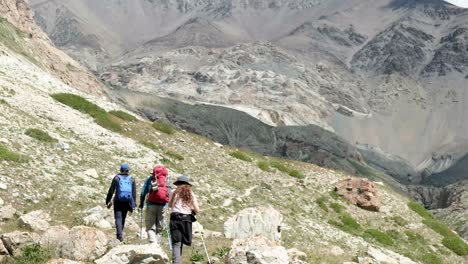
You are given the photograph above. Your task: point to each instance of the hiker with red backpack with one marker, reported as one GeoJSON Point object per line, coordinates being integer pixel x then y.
{"type": "Point", "coordinates": [156, 191]}
{"type": "Point", "coordinates": [124, 187]}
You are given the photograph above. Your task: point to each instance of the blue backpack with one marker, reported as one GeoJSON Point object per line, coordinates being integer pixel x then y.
{"type": "Point", "coordinates": [124, 189]}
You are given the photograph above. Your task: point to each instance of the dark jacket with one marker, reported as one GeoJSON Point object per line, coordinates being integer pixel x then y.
{"type": "Point", "coordinates": [113, 188]}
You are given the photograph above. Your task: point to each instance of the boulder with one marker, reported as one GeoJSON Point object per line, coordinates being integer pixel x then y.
{"type": "Point", "coordinates": [98, 217]}
{"type": "Point", "coordinates": [387, 256]}
{"type": "Point", "coordinates": [15, 241]}
{"type": "Point", "coordinates": [3, 249]}
{"type": "Point", "coordinates": [91, 173]}
{"type": "Point", "coordinates": [360, 192]}
{"type": "Point", "coordinates": [35, 220]}
{"type": "Point", "coordinates": [135, 254]}
{"type": "Point", "coordinates": [262, 220]}
{"type": "Point", "coordinates": [63, 261]}
{"type": "Point", "coordinates": [55, 236]}
{"type": "Point", "coordinates": [7, 212]}
{"type": "Point", "coordinates": [85, 243]}
{"type": "Point", "coordinates": [258, 250]}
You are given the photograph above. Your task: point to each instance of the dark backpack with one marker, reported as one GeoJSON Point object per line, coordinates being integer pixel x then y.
{"type": "Point", "coordinates": [125, 189]}
{"type": "Point", "coordinates": [159, 192]}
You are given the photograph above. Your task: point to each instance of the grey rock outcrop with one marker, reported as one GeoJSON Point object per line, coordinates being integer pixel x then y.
{"type": "Point", "coordinates": [35, 220]}
{"type": "Point", "coordinates": [15, 241]}
{"type": "Point", "coordinates": [135, 254]}
{"type": "Point", "coordinates": [262, 220]}
{"type": "Point", "coordinates": [7, 212]}
{"type": "Point", "coordinates": [257, 250]}
{"type": "Point", "coordinates": [85, 243]}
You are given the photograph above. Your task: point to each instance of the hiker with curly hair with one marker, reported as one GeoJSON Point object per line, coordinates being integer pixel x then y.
{"type": "Point", "coordinates": [184, 206]}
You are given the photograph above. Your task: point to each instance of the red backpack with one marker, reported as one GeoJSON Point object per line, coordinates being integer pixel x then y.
{"type": "Point", "coordinates": [161, 194]}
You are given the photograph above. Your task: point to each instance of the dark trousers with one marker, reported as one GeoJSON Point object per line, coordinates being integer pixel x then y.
{"type": "Point", "coordinates": [120, 213]}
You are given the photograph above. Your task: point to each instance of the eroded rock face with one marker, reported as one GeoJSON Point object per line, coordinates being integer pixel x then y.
{"type": "Point", "coordinates": [262, 220]}
{"type": "Point", "coordinates": [85, 243]}
{"type": "Point", "coordinates": [360, 192]}
{"type": "Point", "coordinates": [257, 250]}
{"type": "Point", "coordinates": [135, 254]}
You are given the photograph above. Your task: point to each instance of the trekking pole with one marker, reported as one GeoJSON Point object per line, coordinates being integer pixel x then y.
{"type": "Point", "coordinates": [168, 230]}
{"type": "Point", "coordinates": [141, 224]}
{"type": "Point", "coordinates": [204, 246]}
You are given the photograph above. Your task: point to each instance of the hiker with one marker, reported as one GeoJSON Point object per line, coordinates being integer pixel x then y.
{"type": "Point", "coordinates": [124, 187]}
{"type": "Point", "coordinates": [157, 188]}
{"type": "Point", "coordinates": [277, 236]}
{"type": "Point", "coordinates": [184, 206]}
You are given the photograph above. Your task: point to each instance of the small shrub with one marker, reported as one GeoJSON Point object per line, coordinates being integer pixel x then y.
{"type": "Point", "coordinates": [33, 254]}
{"type": "Point", "coordinates": [40, 135]}
{"type": "Point", "coordinates": [174, 155]}
{"type": "Point", "coordinates": [296, 174]}
{"type": "Point", "coordinates": [240, 155]}
{"type": "Point", "coordinates": [456, 244]}
{"type": "Point", "coordinates": [149, 145]}
{"type": "Point", "coordinates": [164, 127]}
{"type": "Point", "coordinates": [123, 115]}
{"type": "Point", "coordinates": [419, 210]}
{"type": "Point", "coordinates": [399, 220]}
{"type": "Point", "coordinates": [431, 258]}
{"type": "Point", "coordinates": [197, 256]}
{"type": "Point", "coordinates": [281, 167]}
{"type": "Point", "coordinates": [380, 237]}
{"type": "Point", "coordinates": [337, 207]}
{"type": "Point", "coordinates": [221, 252]}
{"type": "Point", "coordinates": [7, 155]}
{"type": "Point", "coordinates": [334, 195]}
{"type": "Point", "coordinates": [263, 165]}
{"type": "Point", "coordinates": [414, 237]}
{"type": "Point", "coordinates": [438, 227]}
{"type": "Point", "coordinates": [101, 117]}
{"type": "Point", "coordinates": [321, 203]}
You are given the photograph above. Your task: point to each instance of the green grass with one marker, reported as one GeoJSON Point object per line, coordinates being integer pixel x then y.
{"type": "Point", "coordinates": [263, 165]}
{"type": "Point", "coordinates": [164, 127]}
{"type": "Point", "coordinates": [321, 201]}
{"type": "Point", "coordinates": [334, 195]}
{"type": "Point", "coordinates": [439, 227]}
{"type": "Point", "coordinates": [123, 115]}
{"type": "Point", "coordinates": [337, 207]}
{"type": "Point", "coordinates": [431, 258]}
{"type": "Point", "coordinates": [241, 155]}
{"type": "Point", "coordinates": [32, 254]}
{"type": "Point", "coordinates": [379, 236]}
{"type": "Point", "coordinates": [281, 167]}
{"type": "Point", "coordinates": [414, 237]}
{"type": "Point", "coordinates": [149, 145]}
{"type": "Point", "coordinates": [347, 224]}
{"type": "Point", "coordinates": [174, 155]}
{"type": "Point", "coordinates": [456, 244]}
{"type": "Point", "coordinates": [417, 208]}
{"type": "Point", "coordinates": [12, 38]}
{"type": "Point", "coordinates": [221, 252]}
{"type": "Point", "coordinates": [296, 174]}
{"type": "Point", "coordinates": [399, 220]}
{"type": "Point", "coordinates": [7, 155]}
{"type": "Point", "coordinates": [101, 117]}
{"type": "Point", "coordinates": [40, 135]}
{"type": "Point", "coordinates": [197, 256]}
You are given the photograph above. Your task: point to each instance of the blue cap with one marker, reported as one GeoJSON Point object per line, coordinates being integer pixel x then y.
{"type": "Point", "coordinates": [124, 167]}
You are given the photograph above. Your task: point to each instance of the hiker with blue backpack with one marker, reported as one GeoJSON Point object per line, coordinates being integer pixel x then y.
{"type": "Point", "coordinates": [156, 191]}
{"type": "Point", "coordinates": [124, 187]}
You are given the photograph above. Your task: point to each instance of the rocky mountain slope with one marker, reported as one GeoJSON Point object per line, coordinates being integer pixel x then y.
{"type": "Point", "coordinates": [73, 169]}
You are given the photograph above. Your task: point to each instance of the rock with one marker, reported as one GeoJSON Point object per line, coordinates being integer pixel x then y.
{"type": "Point", "coordinates": [257, 250]}
{"type": "Point", "coordinates": [55, 236]}
{"type": "Point", "coordinates": [85, 243]}
{"type": "Point", "coordinates": [336, 251]}
{"type": "Point", "coordinates": [135, 254]}
{"type": "Point", "coordinates": [35, 220]}
{"type": "Point", "coordinates": [3, 186]}
{"type": "Point", "coordinates": [7, 212]}
{"type": "Point", "coordinates": [1, 202]}
{"type": "Point", "coordinates": [99, 218]}
{"type": "Point", "coordinates": [3, 249]}
{"type": "Point", "coordinates": [15, 241]}
{"type": "Point", "coordinates": [360, 192]}
{"type": "Point", "coordinates": [197, 228]}
{"type": "Point", "coordinates": [296, 254]}
{"type": "Point", "coordinates": [63, 261]}
{"type": "Point", "coordinates": [91, 173]}
{"type": "Point", "coordinates": [4, 140]}
{"type": "Point", "coordinates": [262, 220]}
{"type": "Point", "coordinates": [387, 256]}
{"type": "Point", "coordinates": [63, 146]}
{"type": "Point", "coordinates": [218, 145]}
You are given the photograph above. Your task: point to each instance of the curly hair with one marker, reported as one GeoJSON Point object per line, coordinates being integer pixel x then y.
{"type": "Point", "coordinates": [184, 192]}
